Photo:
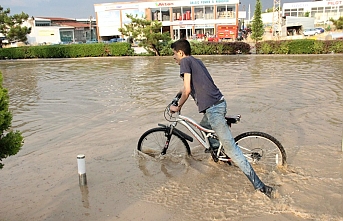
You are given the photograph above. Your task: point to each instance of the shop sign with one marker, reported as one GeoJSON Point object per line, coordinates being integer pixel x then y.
{"type": "Point", "coordinates": [335, 2]}
{"type": "Point", "coordinates": [206, 2]}
{"type": "Point", "coordinates": [164, 4]}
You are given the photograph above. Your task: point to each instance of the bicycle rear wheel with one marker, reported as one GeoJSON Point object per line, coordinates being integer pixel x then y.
{"type": "Point", "coordinates": [153, 141]}
{"type": "Point", "coordinates": [261, 148]}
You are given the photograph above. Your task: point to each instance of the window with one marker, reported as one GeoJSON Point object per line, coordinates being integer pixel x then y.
{"type": "Point", "coordinates": [313, 12]}
{"type": "Point", "coordinates": [294, 12]}
{"type": "Point", "coordinates": [224, 12]}
{"type": "Point", "coordinates": [287, 12]}
{"type": "Point", "coordinates": [182, 13]}
{"type": "Point", "coordinates": [301, 12]}
{"type": "Point", "coordinates": [177, 15]}
{"type": "Point", "coordinates": [199, 12]}
{"type": "Point", "coordinates": [208, 12]}
{"type": "Point", "coordinates": [165, 14]}
{"type": "Point", "coordinates": [42, 23]}
{"type": "Point", "coordinates": [186, 13]}
{"type": "Point", "coordinates": [160, 14]}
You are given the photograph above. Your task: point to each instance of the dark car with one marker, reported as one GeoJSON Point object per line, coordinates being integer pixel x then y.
{"type": "Point", "coordinates": [320, 30]}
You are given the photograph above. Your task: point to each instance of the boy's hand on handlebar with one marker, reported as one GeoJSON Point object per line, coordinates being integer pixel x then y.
{"type": "Point", "coordinates": [174, 109]}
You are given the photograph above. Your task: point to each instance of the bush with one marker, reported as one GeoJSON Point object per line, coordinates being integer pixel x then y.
{"type": "Point", "coordinates": [211, 48]}
{"type": "Point", "coordinates": [67, 51]}
{"type": "Point", "coordinates": [335, 46]}
{"type": "Point", "coordinates": [10, 141]}
{"type": "Point", "coordinates": [318, 47]}
{"type": "Point", "coordinates": [166, 49]}
{"type": "Point", "coordinates": [119, 49]}
{"type": "Point", "coordinates": [303, 46]}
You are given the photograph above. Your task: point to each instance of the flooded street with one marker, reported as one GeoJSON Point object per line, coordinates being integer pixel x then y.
{"type": "Point", "coordinates": [101, 106]}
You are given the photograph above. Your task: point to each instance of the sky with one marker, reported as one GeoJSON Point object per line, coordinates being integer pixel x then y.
{"type": "Point", "coordinates": [82, 9]}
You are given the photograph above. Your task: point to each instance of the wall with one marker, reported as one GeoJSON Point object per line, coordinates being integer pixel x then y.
{"type": "Point", "coordinates": [44, 35]}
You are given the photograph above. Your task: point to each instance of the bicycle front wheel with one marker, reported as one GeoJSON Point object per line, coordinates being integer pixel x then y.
{"type": "Point", "coordinates": [261, 148]}
{"type": "Point", "coordinates": [153, 141]}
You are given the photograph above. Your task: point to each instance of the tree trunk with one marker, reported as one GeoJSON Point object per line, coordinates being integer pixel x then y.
{"type": "Point", "coordinates": [157, 53]}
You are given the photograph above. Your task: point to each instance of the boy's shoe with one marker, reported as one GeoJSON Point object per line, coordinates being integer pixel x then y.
{"type": "Point", "coordinates": [267, 190]}
{"type": "Point", "coordinates": [210, 150]}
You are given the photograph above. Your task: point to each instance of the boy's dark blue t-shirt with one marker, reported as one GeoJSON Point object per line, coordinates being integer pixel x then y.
{"type": "Point", "coordinates": [203, 90]}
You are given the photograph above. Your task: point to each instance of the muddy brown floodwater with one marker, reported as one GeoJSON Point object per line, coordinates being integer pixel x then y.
{"type": "Point", "coordinates": [101, 106]}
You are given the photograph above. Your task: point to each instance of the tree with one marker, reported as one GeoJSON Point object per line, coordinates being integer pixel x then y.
{"type": "Point", "coordinates": [257, 27]}
{"type": "Point", "coordinates": [11, 26]}
{"type": "Point", "coordinates": [147, 33]}
{"type": "Point", "coordinates": [10, 141]}
{"type": "Point", "coordinates": [338, 23]}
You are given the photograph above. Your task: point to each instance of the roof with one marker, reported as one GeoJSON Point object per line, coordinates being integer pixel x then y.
{"type": "Point", "coordinates": [57, 19]}
{"type": "Point", "coordinates": [65, 22]}
{"type": "Point", "coordinates": [73, 24]}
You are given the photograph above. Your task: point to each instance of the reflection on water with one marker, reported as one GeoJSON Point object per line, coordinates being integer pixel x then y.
{"type": "Point", "coordinates": [84, 196]}
{"type": "Point", "coordinates": [298, 99]}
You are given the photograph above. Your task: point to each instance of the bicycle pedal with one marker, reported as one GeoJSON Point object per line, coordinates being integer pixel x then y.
{"type": "Point", "coordinates": [214, 157]}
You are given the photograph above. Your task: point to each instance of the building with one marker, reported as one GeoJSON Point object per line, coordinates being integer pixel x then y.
{"type": "Point", "coordinates": [181, 18]}
{"type": "Point", "coordinates": [321, 11]}
{"type": "Point", "coordinates": [48, 30]}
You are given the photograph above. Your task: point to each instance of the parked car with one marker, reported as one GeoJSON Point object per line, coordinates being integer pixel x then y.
{"type": "Point", "coordinates": [320, 30]}
{"type": "Point", "coordinates": [117, 40]}
{"type": "Point", "coordinates": [91, 41]}
{"type": "Point", "coordinates": [310, 32]}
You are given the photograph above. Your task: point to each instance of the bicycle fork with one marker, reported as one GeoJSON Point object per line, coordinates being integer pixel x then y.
{"type": "Point", "coordinates": [168, 135]}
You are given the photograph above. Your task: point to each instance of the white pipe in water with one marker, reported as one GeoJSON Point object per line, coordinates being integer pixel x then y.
{"type": "Point", "coordinates": [81, 165]}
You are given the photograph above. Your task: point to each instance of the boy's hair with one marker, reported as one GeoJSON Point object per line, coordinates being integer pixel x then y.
{"type": "Point", "coordinates": [182, 45]}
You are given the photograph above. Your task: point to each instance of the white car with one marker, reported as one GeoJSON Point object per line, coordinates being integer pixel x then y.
{"type": "Point", "coordinates": [310, 32]}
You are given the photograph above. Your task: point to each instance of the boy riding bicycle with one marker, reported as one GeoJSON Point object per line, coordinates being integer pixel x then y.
{"type": "Point", "coordinates": [198, 83]}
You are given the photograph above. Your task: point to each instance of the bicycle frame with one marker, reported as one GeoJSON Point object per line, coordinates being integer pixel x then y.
{"type": "Point", "coordinates": [188, 123]}
{"type": "Point", "coordinates": [206, 134]}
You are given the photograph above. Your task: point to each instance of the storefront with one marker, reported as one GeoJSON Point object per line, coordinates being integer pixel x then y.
{"type": "Point", "coordinates": [321, 11]}
{"type": "Point", "coordinates": [183, 19]}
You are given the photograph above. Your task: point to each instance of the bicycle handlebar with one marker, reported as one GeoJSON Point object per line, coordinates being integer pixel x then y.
{"type": "Point", "coordinates": [174, 102]}
{"type": "Point", "coordinates": [176, 99]}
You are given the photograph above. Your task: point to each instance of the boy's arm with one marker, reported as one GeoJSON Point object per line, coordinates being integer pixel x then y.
{"type": "Point", "coordinates": [186, 89]}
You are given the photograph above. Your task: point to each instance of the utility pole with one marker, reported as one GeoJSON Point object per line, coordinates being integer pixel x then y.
{"type": "Point", "coordinates": [244, 15]}
{"type": "Point", "coordinates": [249, 14]}
{"type": "Point", "coordinates": [90, 27]}
{"type": "Point", "coordinates": [277, 22]}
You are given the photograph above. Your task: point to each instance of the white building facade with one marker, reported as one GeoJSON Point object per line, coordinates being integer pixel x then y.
{"type": "Point", "coordinates": [321, 11]}
{"type": "Point", "coordinates": [182, 18]}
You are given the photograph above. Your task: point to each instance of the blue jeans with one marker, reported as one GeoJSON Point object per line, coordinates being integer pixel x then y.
{"type": "Point", "coordinates": [214, 118]}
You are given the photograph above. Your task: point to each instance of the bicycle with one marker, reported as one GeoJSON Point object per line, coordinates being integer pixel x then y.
{"type": "Point", "coordinates": [258, 147]}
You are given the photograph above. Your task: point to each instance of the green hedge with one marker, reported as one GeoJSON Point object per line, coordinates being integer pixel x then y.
{"type": "Point", "coordinates": [303, 46]}
{"type": "Point", "coordinates": [67, 51]}
{"type": "Point", "coordinates": [211, 48]}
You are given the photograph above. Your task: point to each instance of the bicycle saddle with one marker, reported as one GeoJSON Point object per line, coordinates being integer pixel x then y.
{"type": "Point", "coordinates": [233, 119]}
